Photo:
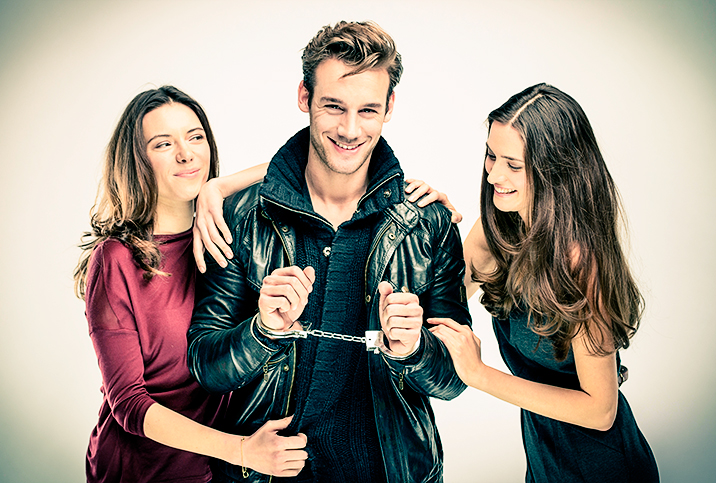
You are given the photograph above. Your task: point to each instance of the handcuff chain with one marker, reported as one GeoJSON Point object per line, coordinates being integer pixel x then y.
{"type": "Point", "coordinates": [333, 335]}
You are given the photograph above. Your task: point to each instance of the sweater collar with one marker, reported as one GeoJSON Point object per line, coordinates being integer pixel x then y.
{"type": "Point", "coordinates": [285, 182]}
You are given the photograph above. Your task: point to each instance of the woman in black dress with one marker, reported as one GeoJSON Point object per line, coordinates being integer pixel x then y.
{"type": "Point", "coordinates": [547, 256]}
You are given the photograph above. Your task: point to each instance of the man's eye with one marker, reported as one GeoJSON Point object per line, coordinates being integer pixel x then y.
{"type": "Point", "coordinates": [333, 107]}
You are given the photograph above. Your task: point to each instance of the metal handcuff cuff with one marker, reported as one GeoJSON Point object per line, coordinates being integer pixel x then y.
{"type": "Point", "coordinates": [373, 339]}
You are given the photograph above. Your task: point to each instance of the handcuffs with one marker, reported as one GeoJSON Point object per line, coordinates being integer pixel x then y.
{"type": "Point", "coordinates": [373, 339]}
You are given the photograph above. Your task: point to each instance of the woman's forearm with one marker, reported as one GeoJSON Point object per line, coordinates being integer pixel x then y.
{"type": "Point", "coordinates": [264, 451]}
{"type": "Point", "coordinates": [567, 405]}
{"type": "Point", "coordinates": [240, 180]}
{"type": "Point", "coordinates": [173, 429]}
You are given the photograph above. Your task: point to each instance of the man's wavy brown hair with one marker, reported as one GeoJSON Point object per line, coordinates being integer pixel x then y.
{"type": "Point", "coordinates": [360, 45]}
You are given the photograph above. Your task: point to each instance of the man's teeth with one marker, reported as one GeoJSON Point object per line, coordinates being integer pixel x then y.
{"type": "Point", "coordinates": [503, 191]}
{"type": "Point", "coordinates": [343, 146]}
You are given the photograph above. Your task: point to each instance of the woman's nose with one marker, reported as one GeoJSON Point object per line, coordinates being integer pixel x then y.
{"type": "Point", "coordinates": [184, 155]}
{"type": "Point", "coordinates": [495, 174]}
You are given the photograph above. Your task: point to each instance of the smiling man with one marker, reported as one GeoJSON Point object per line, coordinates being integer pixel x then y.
{"type": "Point", "coordinates": [331, 259]}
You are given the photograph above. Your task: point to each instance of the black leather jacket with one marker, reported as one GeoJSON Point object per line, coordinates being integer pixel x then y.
{"type": "Point", "coordinates": [415, 248]}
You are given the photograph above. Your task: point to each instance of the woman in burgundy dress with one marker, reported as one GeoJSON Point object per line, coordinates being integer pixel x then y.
{"type": "Point", "coordinates": [137, 276]}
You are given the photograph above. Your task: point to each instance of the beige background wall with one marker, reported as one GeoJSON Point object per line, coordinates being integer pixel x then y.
{"type": "Point", "coordinates": [644, 72]}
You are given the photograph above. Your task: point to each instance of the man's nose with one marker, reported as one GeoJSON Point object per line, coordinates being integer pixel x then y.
{"type": "Point", "coordinates": [349, 128]}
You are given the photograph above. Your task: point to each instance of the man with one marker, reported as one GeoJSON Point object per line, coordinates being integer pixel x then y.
{"type": "Point", "coordinates": [326, 249]}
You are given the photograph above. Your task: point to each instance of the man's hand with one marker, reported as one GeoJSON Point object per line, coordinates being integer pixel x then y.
{"type": "Point", "coordinates": [268, 453]}
{"type": "Point", "coordinates": [401, 318]}
{"type": "Point", "coordinates": [210, 229]}
{"type": "Point", "coordinates": [284, 295]}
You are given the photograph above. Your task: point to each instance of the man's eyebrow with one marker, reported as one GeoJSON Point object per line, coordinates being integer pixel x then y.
{"type": "Point", "coordinates": [507, 157]}
{"type": "Point", "coordinates": [333, 100]}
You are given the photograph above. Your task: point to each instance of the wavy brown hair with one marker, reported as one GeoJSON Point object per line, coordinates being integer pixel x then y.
{"type": "Point", "coordinates": [126, 201]}
{"type": "Point", "coordinates": [360, 45]}
{"type": "Point", "coordinates": [565, 265]}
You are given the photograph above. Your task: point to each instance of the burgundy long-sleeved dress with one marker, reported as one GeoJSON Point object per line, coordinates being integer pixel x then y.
{"type": "Point", "coordinates": [138, 329]}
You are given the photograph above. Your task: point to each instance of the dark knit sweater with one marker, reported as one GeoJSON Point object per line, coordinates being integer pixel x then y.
{"type": "Point", "coordinates": [333, 397]}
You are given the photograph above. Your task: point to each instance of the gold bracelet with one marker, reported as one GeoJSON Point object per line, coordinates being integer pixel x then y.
{"type": "Point", "coordinates": [244, 472]}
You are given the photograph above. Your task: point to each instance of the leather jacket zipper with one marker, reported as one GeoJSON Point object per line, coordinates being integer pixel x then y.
{"type": "Point", "coordinates": [376, 241]}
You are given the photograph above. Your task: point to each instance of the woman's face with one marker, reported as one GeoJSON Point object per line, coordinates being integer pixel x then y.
{"type": "Point", "coordinates": [505, 166]}
{"type": "Point", "coordinates": [178, 152]}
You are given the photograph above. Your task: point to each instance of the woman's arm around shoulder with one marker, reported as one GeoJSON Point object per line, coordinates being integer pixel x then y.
{"type": "Point", "coordinates": [210, 229]}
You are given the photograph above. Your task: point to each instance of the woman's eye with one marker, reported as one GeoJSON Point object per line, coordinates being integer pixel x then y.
{"type": "Point", "coordinates": [197, 137]}
{"type": "Point", "coordinates": [490, 156]}
{"type": "Point", "coordinates": [513, 167]}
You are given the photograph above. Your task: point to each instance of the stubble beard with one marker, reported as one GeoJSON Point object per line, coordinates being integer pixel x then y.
{"type": "Point", "coordinates": [322, 156]}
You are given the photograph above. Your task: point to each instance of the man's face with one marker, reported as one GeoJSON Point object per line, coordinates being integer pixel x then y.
{"type": "Point", "coordinates": [346, 115]}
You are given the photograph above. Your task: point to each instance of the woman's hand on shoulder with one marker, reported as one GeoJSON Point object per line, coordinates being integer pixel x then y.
{"type": "Point", "coordinates": [210, 230]}
{"type": "Point", "coordinates": [423, 194]}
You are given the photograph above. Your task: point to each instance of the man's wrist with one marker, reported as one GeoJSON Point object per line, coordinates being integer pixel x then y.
{"type": "Point", "coordinates": [394, 355]}
{"type": "Point", "coordinates": [272, 333]}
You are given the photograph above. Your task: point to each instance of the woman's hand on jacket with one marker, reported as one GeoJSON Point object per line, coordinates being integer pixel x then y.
{"type": "Point", "coordinates": [210, 230]}
{"type": "Point", "coordinates": [464, 346]}
{"type": "Point", "coordinates": [268, 453]}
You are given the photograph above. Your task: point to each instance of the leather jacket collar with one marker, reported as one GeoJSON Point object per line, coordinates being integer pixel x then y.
{"type": "Point", "coordinates": [285, 182]}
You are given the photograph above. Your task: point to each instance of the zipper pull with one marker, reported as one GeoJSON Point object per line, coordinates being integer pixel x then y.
{"type": "Point", "coordinates": [400, 380]}
{"type": "Point", "coordinates": [266, 372]}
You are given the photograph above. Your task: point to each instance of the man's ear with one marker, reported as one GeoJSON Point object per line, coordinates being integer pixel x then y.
{"type": "Point", "coordinates": [391, 103]}
{"type": "Point", "coordinates": [303, 97]}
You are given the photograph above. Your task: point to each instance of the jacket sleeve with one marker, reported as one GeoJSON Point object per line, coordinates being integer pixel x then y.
{"type": "Point", "coordinates": [430, 370]}
{"type": "Point", "coordinates": [225, 351]}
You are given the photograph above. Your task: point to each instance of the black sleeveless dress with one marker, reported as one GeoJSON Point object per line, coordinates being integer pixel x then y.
{"type": "Point", "coordinates": [563, 452]}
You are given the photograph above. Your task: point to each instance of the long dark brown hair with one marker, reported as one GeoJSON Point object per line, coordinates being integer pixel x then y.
{"type": "Point", "coordinates": [564, 266]}
{"type": "Point", "coordinates": [126, 202]}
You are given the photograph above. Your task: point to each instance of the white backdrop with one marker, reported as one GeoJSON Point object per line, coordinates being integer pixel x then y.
{"type": "Point", "coordinates": [644, 72]}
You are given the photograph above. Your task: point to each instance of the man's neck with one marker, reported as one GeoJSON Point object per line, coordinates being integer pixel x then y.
{"type": "Point", "coordinates": [335, 196]}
